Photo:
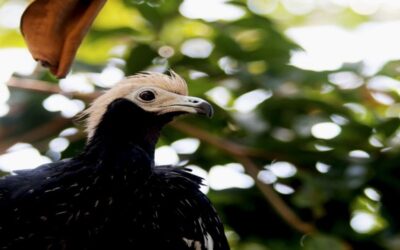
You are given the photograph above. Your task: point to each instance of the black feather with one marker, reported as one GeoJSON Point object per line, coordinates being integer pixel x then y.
{"type": "Point", "coordinates": [109, 197]}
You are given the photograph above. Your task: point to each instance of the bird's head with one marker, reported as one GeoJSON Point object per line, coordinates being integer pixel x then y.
{"type": "Point", "coordinates": [141, 102]}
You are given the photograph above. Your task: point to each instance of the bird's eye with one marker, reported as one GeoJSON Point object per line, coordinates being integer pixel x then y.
{"type": "Point", "coordinates": [147, 95]}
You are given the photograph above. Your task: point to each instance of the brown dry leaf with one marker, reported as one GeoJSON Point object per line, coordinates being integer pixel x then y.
{"type": "Point", "coordinates": [54, 29]}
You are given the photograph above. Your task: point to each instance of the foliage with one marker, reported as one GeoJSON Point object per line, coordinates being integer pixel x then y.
{"type": "Point", "coordinates": [250, 54]}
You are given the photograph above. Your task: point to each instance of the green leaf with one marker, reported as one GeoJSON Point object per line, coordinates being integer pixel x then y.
{"type": "Point", "coordinates": [319, 242]}
{"type": "Point", "coordinates": [388, 127]}
{"type": "Point", "coordinates": [96, 34]}
{"type": "Point", "coordinates": [151, 15]}
{"type": "Point", "coordinates": [139, 58]}
{"type": "Point", "coordinates": [11, 38]}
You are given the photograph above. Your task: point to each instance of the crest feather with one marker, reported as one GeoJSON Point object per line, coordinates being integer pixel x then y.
{"type": "Point", "coordinates": [172, 83]}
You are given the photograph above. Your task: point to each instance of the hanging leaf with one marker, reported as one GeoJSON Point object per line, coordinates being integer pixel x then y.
{"type": "Point", "coordinates": [53, 30]}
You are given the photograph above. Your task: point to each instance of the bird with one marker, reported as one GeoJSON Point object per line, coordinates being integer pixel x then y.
{"type": "Point", "coordinates": [112, 195]}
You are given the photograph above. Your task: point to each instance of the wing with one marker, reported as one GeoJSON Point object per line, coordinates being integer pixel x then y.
{"type": "Point", "coordinates": [186, 213]}
{"type": "Point", "coordinates": [27, 195]}
{"type": "Point", "coordinates": [24, 183]}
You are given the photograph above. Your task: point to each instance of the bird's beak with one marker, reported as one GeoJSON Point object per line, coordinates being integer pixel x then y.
{"type": "Point", "coordinates": [200, 106]}
{"type": "Point", "coordinates": [188, 104]}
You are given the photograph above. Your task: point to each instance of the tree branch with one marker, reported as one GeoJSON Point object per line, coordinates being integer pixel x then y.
{"type": "Point", "coordinates": [39, 133]}
{"type": "Point", "coordinates": [46, 88]}
{"type": "Point", "coordinates": [238, 152]}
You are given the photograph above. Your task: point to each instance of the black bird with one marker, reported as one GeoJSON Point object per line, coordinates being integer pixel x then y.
{"type": "Point", "coordinates": [112, 196]}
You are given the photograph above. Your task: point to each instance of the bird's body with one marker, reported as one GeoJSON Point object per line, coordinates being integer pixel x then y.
{"type": "Point", "coordinates": [111, 196]}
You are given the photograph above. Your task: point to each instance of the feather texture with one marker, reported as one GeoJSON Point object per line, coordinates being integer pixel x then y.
{"type": "Point", "coordinates": [111, 196]}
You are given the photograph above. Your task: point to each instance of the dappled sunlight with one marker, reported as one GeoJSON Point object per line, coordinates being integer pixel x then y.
{"type": "Point", "coordinates": [283, 189]}
{"type": "Point", "coordinates": [339, 119]}
{"type": "Point", "coordinates": [229, 176]}
{"type": "Point", "coordinates": [58, 144]}
{"type": "Point", "coordinates": [262, 7]}
{"type": "Point", "coordinates": [366, 215]}
{"type": "Point", "coordinates": [108, 77]}
{"type": "Point", "coordinates": [329, 47]}
{"type": "Point", "coordinates": [196, 170]}
{"type": "Point", "coordinates": [365, 7]}
{"type": "Point", "coordinates": [4, 109]}
{"type": "Point", "coordinates": [379, 8]}
{"type": "Point", "coordinates": [346, 80]}
{"type": "Point", "coordinates": [267, 176]}
{"type": "Point", "coordinates": [252, 121]}
{"type": "Point", "coordinates": [303, 124]}
{"type": "Point", "coordinates": [325, 130]}
{"type": "Point", "coordinates": [10, 14]}
{"type": "Point", "coordinates": [186, 145]}
{"type": "Point", "coordinates": [322, 167]}
{"type": "Point", "coordinates": [220, 95]}
{"type": "Point", "coordinates": [15, 60]}
{"type": "Point", "coordinates": [68, 132]}
{"type": "Point", "coordinates": [357, 109]}
{"type": "Point", "coordinates": [299, 7]}
{"type": "Point", "coordinates": [283, 134]}
{"type": "Point", "coordinates": [194, 74]}
{"type": "Point", "coordinates": [59, 103]}
{"type": "Point", "coordinates": [12, 60]}
{"type": "Point", "coordinates": [359, 154]}
{"type": "Point", "coordinates": [250, 100]}
{"type": "Point", "coordinates": [210, 10]}
{"type": "Point", "coordinates": [228, 65]}
{"type": "Point", "coordinates": [322, 148]}
{"type": "Point", "coordinates": [374, 141]}
{"type": "Point", "coordinates": [362, 222]}
{"type": "Point", "coordinates": [197, 48]}
{"type": "Point", "coordinates": [372, 194]}
{"type": "Point", "coordinates": [384, 83]}
{"type": "Point", "coordinates": [355, 171]}
{"type": "Point", "coordinates": [166, 155]}
{"type": "Point", "coordinates": [76, 83]}
{"type": "Point", "coordinates": [326, 47]}
{"type": "Point", "coordinates": [382, 98]}
{"type": "Point", "coordinates": [21, 156]}
{"type": "Point", "coordinates": [282, 169]}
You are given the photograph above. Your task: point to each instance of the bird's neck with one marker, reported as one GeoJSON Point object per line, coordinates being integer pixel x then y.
{"type": "Point", "coordinates": [124, 126]}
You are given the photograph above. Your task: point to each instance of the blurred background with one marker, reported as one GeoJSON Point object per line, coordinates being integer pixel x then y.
{"type": "Point", "coordinates": [303, 151]}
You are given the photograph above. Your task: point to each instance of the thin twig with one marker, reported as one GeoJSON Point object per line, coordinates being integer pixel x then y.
{"type": "Point", "coordinates": [39, 133]}
{"type": "Point", "coordinates": [45, 87]}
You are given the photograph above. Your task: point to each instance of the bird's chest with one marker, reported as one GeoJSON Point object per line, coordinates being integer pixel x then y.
{"type": "Point", "coordinates": [120, 215]}
{"type": "Point", "coordinates": [117, 204]}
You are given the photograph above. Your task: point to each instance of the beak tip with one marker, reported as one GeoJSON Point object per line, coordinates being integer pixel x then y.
{"type": "Point", "coordinates": [206, 109]}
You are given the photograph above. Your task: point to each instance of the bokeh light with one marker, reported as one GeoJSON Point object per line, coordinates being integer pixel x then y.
{"type": "Point", "coordinates": [21, 156]}
{"type": "Point", "coordinates": [363, 222]}
{"type": "Point", "coordinates": [229, 176]}
{"type": "Point", "coordinates": [186, 145]}
{"type": "Point", "coordinates": [166, 155]}
{"type": "Point", "coordinates": [210, 10]}
{"type": "Point", "coordinates": [282, 169]}
{"type": "Point", "coordinates": [197, 48]}
{"type": "Point", "coordinates": [250, 100]}
{"type": "Point", "coordinates": [59, 103]}
{"type": "Point", "coordinates": [325, 130]}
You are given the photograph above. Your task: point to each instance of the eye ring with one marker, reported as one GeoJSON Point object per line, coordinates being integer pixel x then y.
{"type": "Point", "coordinates": [147, 96]}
